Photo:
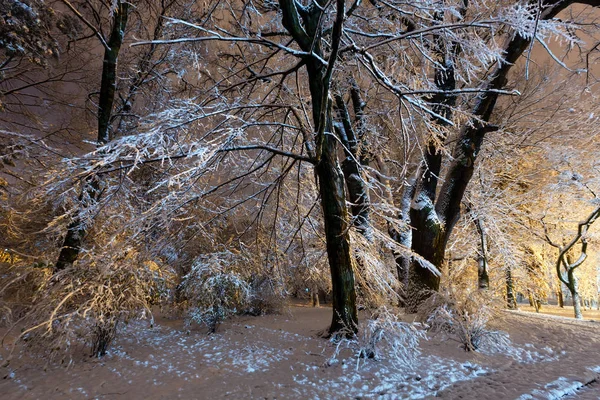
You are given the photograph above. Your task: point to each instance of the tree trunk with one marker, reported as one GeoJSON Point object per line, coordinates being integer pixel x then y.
{"type": "Point", "coordinates": [341, 261]}
{"type": "Point", "coordinates": [358, 190]}
{"type": "Point", "coordinates": [427, 241]}
{"type": "Point", "coordinates": [530, 297]}
{"type": "Point", "coordinates": [576, 304]}
{"type": "Point", "coordinates": [315, 297]}
{"type": "Point", "coordinates": [467, 148]}
{"type": "Point", "coordinates": [76, 231]}
{"type": "Point", "coordinates": [90, 191]}
{"type": "Point", "coordinates": [483, 278]}
{"type": "Point", "coordinates": [330, 177]}
{"type": "Point", "coordinates": [482, 260]}
{"type": "Point", "coordinates": [511, 301]}
{"type": "Point", "coordinates": [429, 237]}
{"type": "Point", "coordinates": [573, 286]}
{"type": "Point", "coordinates": [108, 85]}
{"type": "Point", "coordinates": [559, 296]}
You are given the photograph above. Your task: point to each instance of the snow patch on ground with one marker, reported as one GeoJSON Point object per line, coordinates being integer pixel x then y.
{"type": "Point", "coordinates": [378, 378]}
{"type": "Point", "coordinates": [556, 389]}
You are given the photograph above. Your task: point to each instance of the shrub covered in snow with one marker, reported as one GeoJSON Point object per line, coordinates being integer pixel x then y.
{"type": "Point", "coordinates": [386, 337]}
{"type": "Point", "coordinates": [466, 319]}
{"type": "Point", "coordinates": [214, 290]}
{"type": "Point", "coordinates": [86, 302]}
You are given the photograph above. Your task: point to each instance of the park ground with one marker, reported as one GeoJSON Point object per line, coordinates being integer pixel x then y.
{"type": "Point", "coordinates": [283, 356]}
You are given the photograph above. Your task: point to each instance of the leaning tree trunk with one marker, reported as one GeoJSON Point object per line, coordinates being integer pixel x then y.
{"type": "Point", "coordinates": [460, 171]}
{"type": "Point", "coordinates": [90, 192]}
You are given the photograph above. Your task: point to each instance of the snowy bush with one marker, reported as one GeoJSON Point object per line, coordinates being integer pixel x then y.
{"type": "Point", "coordinates": [267, 296]}
{"type": "Point", "coordinates": [213, 289]}
{"type": "Point", "coordinates": [467, 321]}
{"type": "Point", "coordinates": [85, 303]}
{"type": "Point", "coordinates": [385, 337]}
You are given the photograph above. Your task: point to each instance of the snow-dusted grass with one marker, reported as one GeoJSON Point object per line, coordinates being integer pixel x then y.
{"type": "Point", "coordinates": [250, 358]}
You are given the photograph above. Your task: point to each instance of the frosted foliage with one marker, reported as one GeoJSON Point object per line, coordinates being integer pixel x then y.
{"type": "Point", "coordinates": [213, 290]}
{"type": "Point", "coordinates": [469, 327]}
{"type": "Point", "coordinates": [385, 337]}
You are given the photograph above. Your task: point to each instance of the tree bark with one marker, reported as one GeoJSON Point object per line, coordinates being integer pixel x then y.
{"type": "Point", "coordinates": [314, 294]}
{"type": "Point", "coordinates": [427, 241]}
{"type": "Point", "coordinates": [341, 261]}
{"type": "Point", "coordinates": [77, 229]}
{"type": "Point", "coordinates": [428, 236]}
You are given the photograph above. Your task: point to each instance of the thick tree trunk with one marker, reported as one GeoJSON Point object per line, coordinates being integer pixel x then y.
{"type": "Point", "coordinates": [428, 240]}
{"type": "Point", "coordinates": [574, 289]}
{"type": "Point", "coordinates": [460, 171]}
{"type": "Point", "coordinates": [341, 260]}
{"type": "Point", "coordinates": [428, 237]}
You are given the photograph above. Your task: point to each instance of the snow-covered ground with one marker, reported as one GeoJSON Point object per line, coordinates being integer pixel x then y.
{"type": "Point", "coordinates": [282, 357]}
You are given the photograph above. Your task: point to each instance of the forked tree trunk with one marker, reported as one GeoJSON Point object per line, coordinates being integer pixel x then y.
{"type": "Point", "coordinates": [460, 171]}
{"type": "Point", "coordinates": [429, 237]}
